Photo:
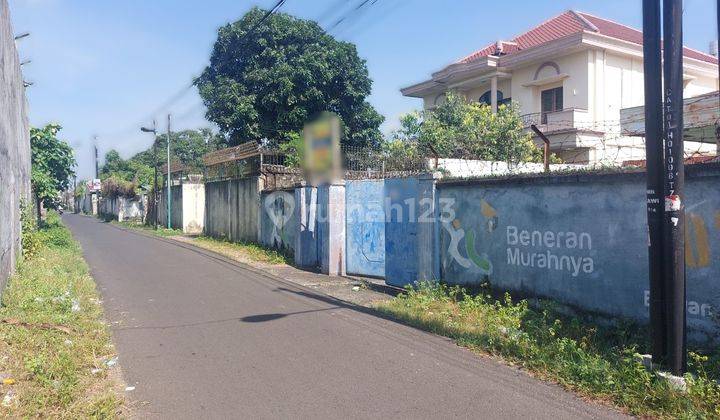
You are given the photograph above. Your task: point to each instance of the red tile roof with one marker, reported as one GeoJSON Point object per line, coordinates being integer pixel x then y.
{"type": "Point", "coordinates": [569, 23]}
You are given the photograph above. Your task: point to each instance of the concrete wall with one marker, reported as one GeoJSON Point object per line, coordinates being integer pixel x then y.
{"type": "Point", "coordinates": [124, 209]}
{"type": "Point", "coordinates": [331, 228]}
{"type": "Point", "coordinates": [193, 208]}
{"type": "Point", "coordinates": [306, 240]}
{"type": "Point", "coordinates": [232, 209]}
{"type": "Point", "coordinates": [403, 211]}
{"type": "Point", "coordinates": [580, 240]}
{"type": "Point", "coordinates": [87, 204]}
{"type": "Point", "coordinates": [365, 218]}
{"type": "Point", "coordinates": [176, 208]}
{"type": "Point", "coordinates": [279, 222]}
{"type": "Point", "coordinates": [14, 148]}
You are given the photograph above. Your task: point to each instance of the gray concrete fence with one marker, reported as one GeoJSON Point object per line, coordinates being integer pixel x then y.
{"type": "Point", "coordinates": [14, 148]}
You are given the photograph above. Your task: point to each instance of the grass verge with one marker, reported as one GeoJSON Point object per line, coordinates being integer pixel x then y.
{"type": "Point", "coordinates": [596, 362]}
{"type": "Point", "coordinates": [242, 251]}
{"type": "Point", "coordinates": [161, 231]}
{"type": "Point", "coordinates": [54, 344]}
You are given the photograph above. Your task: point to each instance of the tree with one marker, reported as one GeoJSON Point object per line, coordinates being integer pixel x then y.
{"type": "Point", "coordinates": [458, 129]}
{"type": "Point", "coordinates": [52, 162]}
{"type": "Point", "coordinates": [266, 81]}
{"type": "Point", "coordinates": [187, 147]}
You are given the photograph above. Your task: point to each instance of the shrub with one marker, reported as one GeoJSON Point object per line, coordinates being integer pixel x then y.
{"type": "Point", "coordinates": [29, 233]}
{"type": "Point", "coordinates": [114, 187]}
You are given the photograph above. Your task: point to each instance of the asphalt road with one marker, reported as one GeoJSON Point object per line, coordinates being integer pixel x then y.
{"type": "Point", "coordinates": [202, 337]}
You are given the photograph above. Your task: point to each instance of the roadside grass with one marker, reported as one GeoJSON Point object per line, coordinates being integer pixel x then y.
{"type": "Point", "coordinates": [244, 251]}
{"type": "Point", "coordinates": [161, 231]}
{"type": "Point", "coordinates": [594, 361]}
{"type": "Point", "coordinates": [248, 250]}
{"type": "Point", "coordinates": [52, 335]}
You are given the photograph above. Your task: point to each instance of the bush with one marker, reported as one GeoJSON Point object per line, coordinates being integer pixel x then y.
{"type": "Point", "coordinates": [29, 238]}
{"type": "Point", "coordinates": [114, 187]}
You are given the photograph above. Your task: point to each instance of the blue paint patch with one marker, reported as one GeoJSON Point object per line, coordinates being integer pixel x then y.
{"type": "Point", "coordinates": [365, 229]}
{"type": "Point", "coordinates": [401, 231]}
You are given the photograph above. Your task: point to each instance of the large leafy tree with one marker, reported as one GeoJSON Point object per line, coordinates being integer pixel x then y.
{"type": "Point", "coordinates": [265, 81]}
{"type": "Point", "coordinates": [53, 165]}
{"type": "Point", "coordinates": [458, 129]}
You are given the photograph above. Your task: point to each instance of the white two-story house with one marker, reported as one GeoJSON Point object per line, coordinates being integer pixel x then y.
{"type": "Point", "coordinates": [570, 76]}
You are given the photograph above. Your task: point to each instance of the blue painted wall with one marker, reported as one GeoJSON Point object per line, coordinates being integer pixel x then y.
{"type": "Point", "coordinates": [581, 240]}
{"type": "Point", "coordinates": [321, 243]}
{"type": "Point", "coordinates": [306, 241]}
{"type": "Point", "coordinates": [402, 213]}
{"type": "Point", "coordinates": [365, 230]}
{"type": "Point", "coordinates": [278, 220]}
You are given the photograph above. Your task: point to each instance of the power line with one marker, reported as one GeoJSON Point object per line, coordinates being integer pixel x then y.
{"type": "Point", "coordinates": [330, 11]}
{"type": "Point", "coordinates": [346, 16]}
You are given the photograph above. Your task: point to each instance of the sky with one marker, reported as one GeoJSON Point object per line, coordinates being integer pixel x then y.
{"type": "Point", "coordinates": [104, 68]}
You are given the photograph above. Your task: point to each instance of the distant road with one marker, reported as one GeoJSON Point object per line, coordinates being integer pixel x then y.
{"type": "Point", "coordinates": [202, 337]}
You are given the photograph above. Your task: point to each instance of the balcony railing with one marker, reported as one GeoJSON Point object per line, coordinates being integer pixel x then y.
{"type": "Point", "coordinates": [566, 119]}
{"type": "Point", "coordinates": [531, 119]}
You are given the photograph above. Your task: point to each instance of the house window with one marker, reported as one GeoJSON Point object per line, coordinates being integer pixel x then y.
{"type": "Point", "coordinates": [487, 99]}
{"type": "Point", "coordinates": [551, 100]}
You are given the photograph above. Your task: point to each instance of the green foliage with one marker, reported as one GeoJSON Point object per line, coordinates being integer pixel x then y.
{"type": "Point", "coordinates": [596, 361]}
{"type": "Point", "coordinates": [458, 129]}
{"type": "Point", "coordinates": [52, 164]}
{"type": "Point", "coordinates": [29, 233]}
{"type": "Point", "coordinates": [243, 251]}
{"type": "Point", "coordinates": [187, 147]}
{"type": "Point", "coordinates": [160, 231]}
{"type": "Point", "coordinates": [402, 155]}
{"type": "Point", "coordinates": [269, 84]}
{"type": "Point", "coordinates": [81, 188]}
{"type": "Point", "coordinates": [114, 186]}
{"type": "Point", "coordinates": [294, 150]}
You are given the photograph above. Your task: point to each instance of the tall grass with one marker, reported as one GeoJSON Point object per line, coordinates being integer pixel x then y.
{"type": "Point", "coordinates": [53, 341]}
{"type": "Point", "coordinates": [595, 361]}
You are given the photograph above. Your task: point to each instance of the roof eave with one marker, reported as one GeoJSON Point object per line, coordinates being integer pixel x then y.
{"type": "Point", "coordinates": [595, 40]}
{"type": "Point", "coordinates": [451, 73]}
{"type": "Point", "coordinates": [421, 89]}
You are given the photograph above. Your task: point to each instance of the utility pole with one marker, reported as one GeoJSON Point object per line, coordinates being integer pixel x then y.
{"type": "Point", "coordinates": [155, 165]}
{"type": "Point", "coordinates": [97, 172]}
{"type": "Point", "coordinates": [169, 180]}
{"type": "Point", "coordinates": [654, 164]}
{"type": "Point", "coordinates": [155, 176]}
{"type": "Point", "coordinates": [674, 180]}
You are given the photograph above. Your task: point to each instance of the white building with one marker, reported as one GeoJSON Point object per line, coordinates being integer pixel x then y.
{"type": "Point", "coordinates": [571, 76]}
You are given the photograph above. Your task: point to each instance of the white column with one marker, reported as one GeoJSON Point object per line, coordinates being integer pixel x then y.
{"type": "Point", "coordinates": [493, 94]}
{"type": "Point", "coordinates": [332, 250]}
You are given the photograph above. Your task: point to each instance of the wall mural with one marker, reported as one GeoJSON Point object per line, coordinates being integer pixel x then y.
{"type": "Point", "coordinates": [279, 209]}
{"type": "Point", "coordinates": [584, 245]}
